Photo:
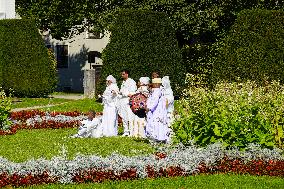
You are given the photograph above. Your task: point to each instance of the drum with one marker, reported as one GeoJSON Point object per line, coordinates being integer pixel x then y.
{"type": "Point", "coordinates": [138, 104]}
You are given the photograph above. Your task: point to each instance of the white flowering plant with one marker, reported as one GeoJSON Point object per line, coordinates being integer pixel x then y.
{"type": "Point", "coordinates": [234, 114]}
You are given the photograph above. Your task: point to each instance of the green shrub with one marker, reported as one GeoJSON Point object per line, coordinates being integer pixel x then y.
{"type": "Point", "coordinates": [142, 41]}
{"type": "Point", "coordinates": [253, 49]}
{"type": "Point", "coordinates": [235, 114]}
{"type": "Point", "coordinates": [5, 107]}
{"type": "Point", "coordinates": [25, 65]}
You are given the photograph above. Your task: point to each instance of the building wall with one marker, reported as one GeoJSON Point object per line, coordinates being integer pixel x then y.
{"type": "Point", "coordinates": [78, 49]}
{"type": "Point", "coordinates": [7, 9]}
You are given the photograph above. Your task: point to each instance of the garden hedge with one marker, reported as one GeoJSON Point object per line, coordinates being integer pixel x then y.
{"type": "Point", "coordinates": [253, 49]}
{"type": "Point", "coordinates": [142, 41]}
{"type": "Point", "coordinates": [25, 66]}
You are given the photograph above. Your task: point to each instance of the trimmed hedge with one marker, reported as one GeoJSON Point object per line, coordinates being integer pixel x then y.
{"type": "Point", "coordinates": [253, 49]}
{"type": "Point", "coordinates": [25, 66]}
{"type": "Point", "coordinates": [142, 42]}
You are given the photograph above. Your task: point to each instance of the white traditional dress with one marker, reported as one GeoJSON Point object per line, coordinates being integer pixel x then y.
{"type": "Point", "coordinates": [109, 119]}
{"type": "Point", "coordinates": [169, 95]}
{"type": "Point", "coordinates": [89, 128]}
{"type": "Point", "coordinates": [157, 125]}
{"type": "Point", "coordinates": [128, 87]}
{"type": "Point", "coordinates": [140, 123]}
{"type": "Point", "coordinates": [167, 92]}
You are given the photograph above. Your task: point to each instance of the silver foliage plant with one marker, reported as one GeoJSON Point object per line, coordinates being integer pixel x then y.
{"type": "Point", "coordinates": [187, 158]}
{"type": "Point", "coordinates": [58, 118]}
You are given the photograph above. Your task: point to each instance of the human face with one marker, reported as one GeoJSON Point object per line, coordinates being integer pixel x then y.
{"type": "Point", "coordinates": [91, 115]}
{"type": "Point", "coordinates": [155, 75]}
{"type": "Point", "coordinates": [108, 83]}
{"type": "Point", "coordinates": [156, 85]}
{"type": "Point", "coordinates": [124, 75]}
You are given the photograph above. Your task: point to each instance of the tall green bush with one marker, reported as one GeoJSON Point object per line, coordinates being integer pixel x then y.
{"type": "Point", "coordinates": [254, 48]}
{"type": "Point", "coordinates": [142, 41]}
{"type": "Point", "coordinates": [25, 65]}
{"type": "Point", "coordinates": [5, 107]}
{"type": "Point", "coordinates": [235, 114]}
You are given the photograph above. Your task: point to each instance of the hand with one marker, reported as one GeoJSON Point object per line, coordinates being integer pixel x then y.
{"type": "Point", "coordinates": [147, 109]}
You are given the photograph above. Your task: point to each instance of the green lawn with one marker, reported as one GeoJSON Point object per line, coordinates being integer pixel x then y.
{"type": "Point", "coordinates": [30, 102]}
{"type": "Point", "coordinates": [83, 105]}
{"type": "Point", "coordinates": [26, 144]}
{"type": "Point", "coordinates": [191, 182]}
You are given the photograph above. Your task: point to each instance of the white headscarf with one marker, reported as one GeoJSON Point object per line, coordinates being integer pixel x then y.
{"type": "Point", "coordinates": [144, 80]}
{"type": "Point", "coordinates": [111, 78]}
{"type": "Point", "coordinates": [167, 85]}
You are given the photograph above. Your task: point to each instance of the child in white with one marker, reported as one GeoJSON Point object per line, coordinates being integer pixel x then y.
{"type": "Point", "coordinates": [140, 123]}
{"type": "Point", "coordinates": [89, 127]}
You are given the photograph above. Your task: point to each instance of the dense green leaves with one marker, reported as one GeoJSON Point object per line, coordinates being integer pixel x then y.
{"type": "Point", "coordinates": [142, 41]}
{"type": "Point", "coordinates": [25, 66]}
{"type": "Point", "coordinates": [234, 114]}
{"type": "Point", "coordinates": [253, 49]}
{"type": "Point", "coordinates": [5, 107]}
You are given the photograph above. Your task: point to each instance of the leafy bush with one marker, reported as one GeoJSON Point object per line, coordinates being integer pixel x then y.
{"type": "Point", "coordinates": [5, 107]}
{"type": "Point", "coordinates": [234, 114]}
{"type": "Point", "coordinates": [253, 49]}
{"type": "Point", "coordinates": [142, 41]}
{"type": "Point", "coordinates": [25, 64]}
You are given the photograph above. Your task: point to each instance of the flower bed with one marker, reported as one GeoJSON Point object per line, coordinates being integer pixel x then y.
{"type": "Point", "coordinates": [179, 161]}
{"type": "Point", "coordinates": [36, 119]}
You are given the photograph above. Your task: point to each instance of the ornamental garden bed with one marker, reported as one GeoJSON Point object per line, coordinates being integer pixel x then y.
{"type": "Point", "coordinates": [177, 161]}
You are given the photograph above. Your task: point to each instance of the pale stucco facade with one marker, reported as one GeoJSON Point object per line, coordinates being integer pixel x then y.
{"type": "Point", "coordinates": [79, 50]}
{"type": "Point", "coordinates": [7, 9]}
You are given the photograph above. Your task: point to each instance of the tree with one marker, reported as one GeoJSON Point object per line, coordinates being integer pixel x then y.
{"type": "Point", "coordinates": [142, 41]}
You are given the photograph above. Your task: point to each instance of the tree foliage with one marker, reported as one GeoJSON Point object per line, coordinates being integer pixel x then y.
{"type": "Point", "coordinates": [193, 20]}
{"type": "Point", "coordinates": [253, 49]}
{"type": "Point", "coordinates": [142, 41]}
{"type": "Point", "coordinates": [25, 66]}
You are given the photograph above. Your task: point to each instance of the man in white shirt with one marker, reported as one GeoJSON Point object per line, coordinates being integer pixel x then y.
{"type": "Point", "coordinates": [128, 88]}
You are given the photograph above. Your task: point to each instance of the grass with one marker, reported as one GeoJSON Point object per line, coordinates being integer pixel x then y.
{"type": "Point", "coordinates": [67, 93]}
{"type": "Point", "coordinates": [30, 102]}
{"type": "Point", "coordinates": [46, 143]}
{"type": "Point", "coordinates": [192, 182]}
{"type": "Point", "coordinates": [82, 105]}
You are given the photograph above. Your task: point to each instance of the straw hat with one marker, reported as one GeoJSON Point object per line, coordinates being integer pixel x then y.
{"type": "Point", "coordinates": [157, 80]}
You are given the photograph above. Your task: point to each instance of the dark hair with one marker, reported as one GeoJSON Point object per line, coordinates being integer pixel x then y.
{"type": "Point", "coordinates": [126, 71]}
{"type": "Point", "coordinates": [92, 112]}
{"type": "Point", "coordinates": [157, 72]}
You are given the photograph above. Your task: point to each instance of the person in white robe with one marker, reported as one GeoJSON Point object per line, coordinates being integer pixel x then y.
{"type": "Point", "coordinates": [140, 122]}
{"type": "Point", "coordinates": [109, 119]}
{"type": "Point", "coordinates": [157, 125]}
{"type": "Point", "coordinates": [127, 89]}
{"type": "Point", "coordinates": [89, 127]}
{"type": "Point", "coordinates": [169, 96]}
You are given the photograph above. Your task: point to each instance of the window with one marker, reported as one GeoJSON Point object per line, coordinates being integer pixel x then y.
{"type": "Point", "coordinates": [92, 56]}
{"type": "Point", "coordinates": [62, 56]}
{"type": "Point", "coordinates": [2, 15]}
{"type": "Point", "coordinates": [93, 35]}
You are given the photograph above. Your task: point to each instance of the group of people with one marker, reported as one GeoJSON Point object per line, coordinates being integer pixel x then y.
{"type": "Point", "coordinates": [159, 109]}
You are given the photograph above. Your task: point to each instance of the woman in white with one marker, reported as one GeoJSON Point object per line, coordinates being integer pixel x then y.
{"type": "Point", "coordinates": [168, 94]}
{"type": "Point", "coordinates": [140, 123]}
{"type": "Point", "coordinates": [109, 119]}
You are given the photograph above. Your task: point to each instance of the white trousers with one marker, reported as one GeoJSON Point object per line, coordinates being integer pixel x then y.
{"type": "Point", "coordinates": [138, 129]}
{"type": "Point", "coordinates": [126, 114]}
